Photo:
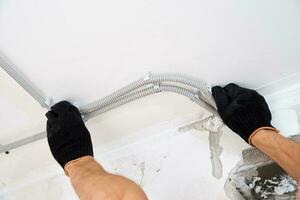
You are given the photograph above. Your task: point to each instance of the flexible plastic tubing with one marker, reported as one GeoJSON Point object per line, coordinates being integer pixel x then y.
{"type": "Point", "coordinates": [23, 141]}
{"type": "Point", "coordinates": [148, 91]}
{"type": "Point", "coordinates": [214, 138]}
{"type": "Point", "coordinates": [20, 78]}
{"type": "Point", "coordinates": [203, 90]}
{"type": "Point", "coordinates": [152, 79]}
{"type": "Point", "coordinates": [198, 92]}
{"type": "Point", "coordinates": [23, 82]}
{"type": "Point", "coordinates": [119, 102]}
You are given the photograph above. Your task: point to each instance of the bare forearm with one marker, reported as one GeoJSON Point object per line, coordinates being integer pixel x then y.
{"type": "Point", "coordinates": [282, 150]}
{"type": "Point", "coordinates": [91, 181]}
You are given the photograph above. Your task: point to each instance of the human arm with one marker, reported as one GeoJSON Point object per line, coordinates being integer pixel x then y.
{"type": "Point", "coordinates": [91, 181]}
{"type": "Point", "coordinates": [285, 152]}
{"type": "Point", "coordinates": [246, 112]}
{"type": "Point", "coordinates": [71, 146]}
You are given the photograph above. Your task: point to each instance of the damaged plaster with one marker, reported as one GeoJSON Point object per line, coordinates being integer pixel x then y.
{"type": "Point", "coordinates": [213, 125]}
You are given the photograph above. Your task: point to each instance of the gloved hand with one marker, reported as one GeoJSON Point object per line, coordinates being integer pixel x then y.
{"type": "Point", "coordinates": [67, 135]}
{"type": "Point", "coordinates": [242, 110]}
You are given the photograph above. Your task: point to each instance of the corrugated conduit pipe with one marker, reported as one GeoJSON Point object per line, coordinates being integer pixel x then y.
{"type": "Point", "coordinates": [148, 91]}
{"type": "Point", "coordinates": [150, 84]}
{"type": "Point", "coordinates": [154, 80]}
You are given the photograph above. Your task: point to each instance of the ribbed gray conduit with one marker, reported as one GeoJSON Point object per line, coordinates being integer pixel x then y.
{"type": "Point", "coordinates": [204, 94]}
{"type": "Point", "coordinates": [117, 103]}
{"type": "Point", "coordinates": [23, 141]}
{"type": "Point", "coordinates": [91, 107]}
{"type": "Point", "coordinates": [146, 92]}
{"type": "Point", "coordinates": [24, 83]}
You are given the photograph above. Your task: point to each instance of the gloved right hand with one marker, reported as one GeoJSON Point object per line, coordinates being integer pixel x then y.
{"type": "Point", "coordinates": [68, 138]}
{"type": "Point", "coordinates": [243, 110]}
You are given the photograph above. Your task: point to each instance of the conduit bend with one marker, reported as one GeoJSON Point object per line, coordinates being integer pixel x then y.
{"type": "Point", "coordinates": [150, 84]}
{"type": "Point", "coordinates": [148, 91]}
{"type": "Point", "coordinates": [155, 80]}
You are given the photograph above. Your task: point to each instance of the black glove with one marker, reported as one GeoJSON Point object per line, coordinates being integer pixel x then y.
{"type": "Point", "coordinates": [68, 137]}
{"type": "Point", "coordinates": [242, 110]}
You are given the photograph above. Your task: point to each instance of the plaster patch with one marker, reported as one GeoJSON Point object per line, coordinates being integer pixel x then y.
{"type": "Point", "coordinates": [213, 125]}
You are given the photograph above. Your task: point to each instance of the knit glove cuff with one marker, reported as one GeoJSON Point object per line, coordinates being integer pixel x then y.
{"type": "Point", "coordinates": [245, 123]}
{"type": "Point", "coordinates": [259, 129]}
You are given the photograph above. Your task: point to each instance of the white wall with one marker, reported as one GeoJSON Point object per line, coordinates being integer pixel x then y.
{"type": "Point", "coordinates": [168, 165]}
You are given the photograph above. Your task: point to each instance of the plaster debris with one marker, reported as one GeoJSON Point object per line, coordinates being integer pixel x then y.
{"type": "Point", "coordinates": [275, 186]}
{"type": "Point", "coordinates": [259, 179]}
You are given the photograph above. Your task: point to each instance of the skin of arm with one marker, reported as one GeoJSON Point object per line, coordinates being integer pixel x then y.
{"type": "Point", "coordinates": [285, 152]}
{"type": "Point", "coordinates": [92, 182]}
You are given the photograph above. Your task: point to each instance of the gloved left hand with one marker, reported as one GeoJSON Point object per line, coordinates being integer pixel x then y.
{"type": "Point", "coordinates": [68, 138]}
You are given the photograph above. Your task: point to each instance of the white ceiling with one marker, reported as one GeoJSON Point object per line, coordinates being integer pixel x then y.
{"type": "Point", "coordinates": [83, 50]}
